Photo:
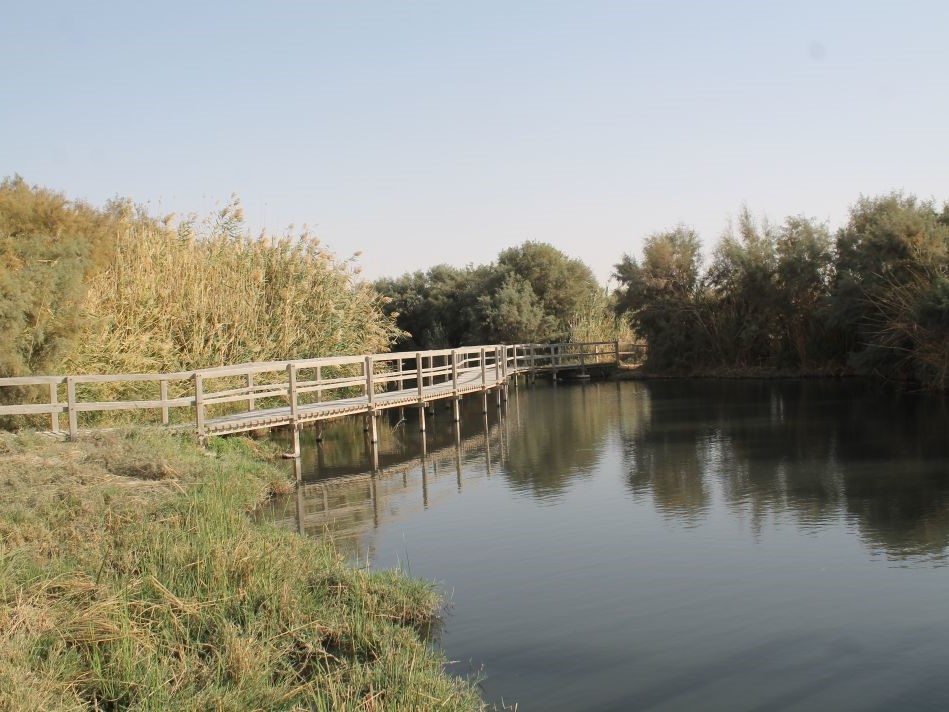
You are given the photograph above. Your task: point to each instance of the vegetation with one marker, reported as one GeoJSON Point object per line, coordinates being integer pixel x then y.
{"type": "Point", "coordinates": [872, 299]}
{"type": "Point", "coordinates": [116, 291]}
{"type": "Point", "coordinates": [532, 293]}
{"type": "Point", "coordinates": [130, 578]}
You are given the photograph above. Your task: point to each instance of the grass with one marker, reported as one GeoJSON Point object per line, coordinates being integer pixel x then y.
{"type": "Point", "coordinates": [131, 579]}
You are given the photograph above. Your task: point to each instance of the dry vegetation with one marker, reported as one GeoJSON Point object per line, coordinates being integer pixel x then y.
{"type": "Point", "coordinates": [130, 578]}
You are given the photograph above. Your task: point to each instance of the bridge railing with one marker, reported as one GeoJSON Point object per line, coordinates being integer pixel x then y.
{"type": "Point", "coordinates": [191, 398]}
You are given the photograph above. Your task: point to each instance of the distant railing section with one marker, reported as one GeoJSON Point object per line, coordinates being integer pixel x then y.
{"type": "Point", "coordinates": [296, 383]}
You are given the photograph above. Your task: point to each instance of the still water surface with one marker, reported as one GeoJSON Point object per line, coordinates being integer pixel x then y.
{"type": "Point", "coordinates": [666, 545]}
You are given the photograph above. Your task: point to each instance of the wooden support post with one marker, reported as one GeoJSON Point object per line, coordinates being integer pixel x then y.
{"type": "Point", "coordinates": [373, 429]}
{"type": "Point", "coordinates": [458, 453]}
{"type": "Point", "coordinates": [369, 389]}
{"type": "Point", "coordinates": [497, 393]}
{"type": "Point", "coordinates": [199, 406]}
{"type": "Point", "coordinates": [375, 468]}
{"type": "Point", "coordinates": [319, 432]}
{"type": "Point", "coordinates": [71, 408]}
{"type": "Point", "coordinates": [251, 399]}
{"type": "Point", "coordinates": [421, 418]}
{"type": "Point", "coordinates": [484, 402]}
{"type": "Point", "coordinates": [54, 401]}
{"type": "Point", "coordinates": [163, 390]}
{"type": "Point", "coordinates": [296, 442]}
{"type": "Point", "coordinates": [456, 410]}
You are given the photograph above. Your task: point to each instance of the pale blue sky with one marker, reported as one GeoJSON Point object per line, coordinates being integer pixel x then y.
{"type": "Point", "coordinates": [427, 132]}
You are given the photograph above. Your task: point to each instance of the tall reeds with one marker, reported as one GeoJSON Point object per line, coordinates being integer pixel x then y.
{"type": "Point", "coordinates": [209, 294]}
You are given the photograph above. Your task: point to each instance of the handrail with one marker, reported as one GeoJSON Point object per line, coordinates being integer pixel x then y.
{"type": "Point", "coordinates": [362, 376]}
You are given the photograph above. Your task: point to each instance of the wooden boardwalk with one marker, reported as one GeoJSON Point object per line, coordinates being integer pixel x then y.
{"type": "Point", "coordinates": [250, 396]}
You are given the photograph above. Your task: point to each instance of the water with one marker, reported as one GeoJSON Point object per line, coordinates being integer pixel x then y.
{"type": "Point", "coordinates": [667, 545]}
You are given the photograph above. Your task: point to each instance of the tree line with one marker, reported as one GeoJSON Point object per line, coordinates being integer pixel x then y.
{"type": "Point", "coordinates": [871, 299]}
{"type": "Point", "coordinates": [532, 293]}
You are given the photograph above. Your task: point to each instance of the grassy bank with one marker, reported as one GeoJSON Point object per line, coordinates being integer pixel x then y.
{"type": "Point", "coordinates": [130, 578]}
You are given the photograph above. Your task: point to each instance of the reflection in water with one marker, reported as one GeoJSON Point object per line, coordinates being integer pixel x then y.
{"type": "Point", "coordinates": [815, 451]}
{"type": "Point", "coordinates": [669, 545]}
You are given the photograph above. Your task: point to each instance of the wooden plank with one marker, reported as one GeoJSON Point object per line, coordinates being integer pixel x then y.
{"type": "Point", "coordinates": [30, 380]}
{"type": "Point", "coordinates": [33, 409]}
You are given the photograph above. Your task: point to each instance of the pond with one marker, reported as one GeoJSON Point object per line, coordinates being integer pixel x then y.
{"type": "Point", "coordinates": [665, 545]}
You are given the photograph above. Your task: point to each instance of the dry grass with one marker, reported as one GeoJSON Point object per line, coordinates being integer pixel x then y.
{"type": "Point", "coordinates": [120, 590]}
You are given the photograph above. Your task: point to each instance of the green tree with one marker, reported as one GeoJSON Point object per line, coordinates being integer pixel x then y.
{"type": "Point", "coordinates": [515, 314]}
{"type": "Point", "coordinates": [805, 268]}
{"type": "Point", "coordinates": [530, 293]}
{"type": "Point", "coordinates": [662, 295]}
{"type": "Point", "coordinates": [743, 284]}
{"type": "Point", "coordinates": [561, 283]}
{"type": "Point", "coordinates": [891, 256]}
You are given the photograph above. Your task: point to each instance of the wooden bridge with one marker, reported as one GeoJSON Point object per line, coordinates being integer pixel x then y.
{"type": "Point", "coordinates": [251, 396]}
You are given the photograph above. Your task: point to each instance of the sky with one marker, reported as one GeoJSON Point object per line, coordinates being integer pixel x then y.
{"type": "Point", "coordinates": [420, 133]}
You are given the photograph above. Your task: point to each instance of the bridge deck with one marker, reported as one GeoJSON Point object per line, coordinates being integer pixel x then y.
{"type": "Point", "coordinates": [312, 412]}
{"type": "Point", "coordinates": [339, 385]}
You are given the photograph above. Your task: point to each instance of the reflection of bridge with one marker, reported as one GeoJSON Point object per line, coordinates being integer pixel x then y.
{"type": "Point", "coordinates": [347, 506]}
{"type": "Point", "coordinates": [233, 399]}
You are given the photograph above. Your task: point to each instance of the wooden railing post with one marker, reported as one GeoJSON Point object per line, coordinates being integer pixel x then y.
{"type": "Point", "coordinates": [399, 371]}
{"type": "Point", "coordinates": [71, 408]}
{"type": "Point", "coordinates": [319, 384]}
{"type": "Point", "coordinates": [454, 372]}
{"type": "Point", "coordinates": [251, 399]}
{"type": "Point", "coordinates": [292, 391]}
{"type": "Point", "coordinates": [163, 393]}
{"type": "Point", "coordinates": [368, 367]}
{"type": "Point", "coordinates": [616, 351]}
{"type": "Point", "coordinates": [54, 401]}
{"type": "Point", "coordinates": [199, 405]}
{"type": "Point", "coordinates": [484, 369]}
{"type": "Point", "coordinates": [420, 379]}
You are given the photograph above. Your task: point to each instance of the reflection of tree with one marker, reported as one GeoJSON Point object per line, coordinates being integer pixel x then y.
{"type": "Point", "coordinates": [562, 436]}
{"type": "Point", "coordinates": [898, 483]}
{"type": "Point", "coordinates": [814, 450]}
{"type": "Point", "coordinates": [665, 459]}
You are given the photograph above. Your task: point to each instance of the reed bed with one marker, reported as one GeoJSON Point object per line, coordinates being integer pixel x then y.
{"type": "Point", "coordinates": [209, 295]}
